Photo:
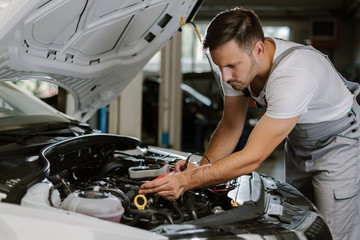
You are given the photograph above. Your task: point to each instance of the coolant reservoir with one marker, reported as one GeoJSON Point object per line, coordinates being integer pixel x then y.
{"type": "Point", "coordinates": [93, 203]}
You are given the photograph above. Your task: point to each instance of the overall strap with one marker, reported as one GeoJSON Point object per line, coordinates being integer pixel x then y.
{"type": "Point", "coordinates": [285, 53]}
{"type": "Point", "coordinates": [353, 87]}
{"type": "Point", "coordinates": [276, 63]}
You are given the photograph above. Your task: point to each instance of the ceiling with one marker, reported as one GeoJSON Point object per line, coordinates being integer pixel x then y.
{"type": "Point", "coordinates": [285, 8]}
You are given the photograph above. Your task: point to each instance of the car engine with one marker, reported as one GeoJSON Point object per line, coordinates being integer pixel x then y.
{"type": "Point", "coordinates": [100, 175]}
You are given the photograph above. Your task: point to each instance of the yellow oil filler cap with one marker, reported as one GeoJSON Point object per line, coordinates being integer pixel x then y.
{"type": "Point", "coordinates": [140, 201]}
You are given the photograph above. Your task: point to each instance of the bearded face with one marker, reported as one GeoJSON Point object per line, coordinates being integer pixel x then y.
{"type": "Point", "coordinates": [237, 66]}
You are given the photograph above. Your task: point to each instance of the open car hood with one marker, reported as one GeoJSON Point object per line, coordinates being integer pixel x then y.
{"type": "Point", "coordinates": [91, 48]}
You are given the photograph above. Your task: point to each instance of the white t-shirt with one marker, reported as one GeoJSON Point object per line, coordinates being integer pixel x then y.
{"type": "Point", "coordinates": [304, 83]}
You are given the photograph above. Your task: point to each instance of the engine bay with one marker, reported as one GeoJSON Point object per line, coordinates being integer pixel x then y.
{"type": "Point", "coordinates": [100, 176]}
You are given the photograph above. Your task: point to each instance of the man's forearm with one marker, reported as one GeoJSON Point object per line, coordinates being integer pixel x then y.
{"type": "Point", "coordinates": [228, 168]}
{"type": "Point", "coordinates": [222, 143]}
{"type": "Point", "coordinates": [228, 132]}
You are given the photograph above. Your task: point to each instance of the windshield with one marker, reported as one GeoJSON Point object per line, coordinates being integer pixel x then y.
{"type": "Point", "coordinates": [15, 102]}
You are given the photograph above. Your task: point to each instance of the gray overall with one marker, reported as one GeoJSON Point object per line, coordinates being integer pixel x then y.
{"type": "Point", "coordinates": [322, 161]}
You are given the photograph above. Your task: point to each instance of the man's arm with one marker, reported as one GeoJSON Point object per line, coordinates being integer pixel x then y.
{"type": "Point", "coordinates": [264, 138]}
{"type": "Point", "coordinates": [228, 132]}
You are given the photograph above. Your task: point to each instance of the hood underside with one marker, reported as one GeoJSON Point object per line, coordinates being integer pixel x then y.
{"type": "Point", "coordinates": [91, 48]}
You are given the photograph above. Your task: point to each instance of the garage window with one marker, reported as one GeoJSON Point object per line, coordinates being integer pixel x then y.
{"type": "Point", "coordinates": [193, 58]}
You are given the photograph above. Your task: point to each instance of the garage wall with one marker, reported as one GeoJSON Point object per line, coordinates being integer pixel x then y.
{"type": "Point", "coordinates": [343, 56]}
{"type": "Point", "coordinates": [125, 110]}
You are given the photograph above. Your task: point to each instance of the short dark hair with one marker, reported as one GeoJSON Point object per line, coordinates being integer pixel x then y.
{"type": "Point", "coordinates": [237, 23]}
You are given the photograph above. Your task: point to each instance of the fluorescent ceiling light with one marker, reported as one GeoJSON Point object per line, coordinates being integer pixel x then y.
{"type": "Point", "coordinates": [4, 3]}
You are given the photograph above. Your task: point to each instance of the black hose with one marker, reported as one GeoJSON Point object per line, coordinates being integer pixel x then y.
{"type": "Point", "coordinates": [178, 210]}
{"type": "Point", "coordinates": [120, 194]}
{"type": "Point", "coordinates": [132, 193]}
{"type": "Point", "coordinates": [136, 219]}
{"type": "Point", "coordinates": [191, 208]}
{"type": "Point", "coordinates": [165, 215]}
{"type": "Point", "coordinates": [148, 213]}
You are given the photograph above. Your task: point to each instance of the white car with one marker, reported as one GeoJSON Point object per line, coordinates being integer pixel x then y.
{"type": "Point", "coordinates": [61, 179]}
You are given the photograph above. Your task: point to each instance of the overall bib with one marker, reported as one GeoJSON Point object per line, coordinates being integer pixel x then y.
{"type": "Point", "coordinates": [322, 161]}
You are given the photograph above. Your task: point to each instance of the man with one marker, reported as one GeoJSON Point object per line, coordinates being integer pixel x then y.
{"type": "Point", "coordinates": [307, 103]}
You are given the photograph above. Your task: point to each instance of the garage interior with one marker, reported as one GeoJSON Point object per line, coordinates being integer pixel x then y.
{"type": "Point", "coordinates": [126, 125]}
{"type": "Point", "coordinates": [175, 102]}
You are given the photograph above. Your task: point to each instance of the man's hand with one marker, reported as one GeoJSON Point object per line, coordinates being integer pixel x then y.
{"type": "Point", "coordinates": [179, 166]}
{"type": "Point", "coordinates": [170, 187]}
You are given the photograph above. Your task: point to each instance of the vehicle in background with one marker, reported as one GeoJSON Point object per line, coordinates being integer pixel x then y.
{"type": "Point", "coordinates": [202, 106]}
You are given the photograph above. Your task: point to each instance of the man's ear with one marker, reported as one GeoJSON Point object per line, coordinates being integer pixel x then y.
{"type": "Point", "coordinates": [258, 49]}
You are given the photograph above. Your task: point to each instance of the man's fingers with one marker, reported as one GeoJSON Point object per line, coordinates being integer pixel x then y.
{"type": "Point", "coordinates": [179, 165]}
{"type": "Point", "coordinates": [153, 186]}
{"type": "Point", "coordinates": [170, 194]}
{"type": "Point", "coordinates": [167, 187]}
{"type": "Point", "coordinates": [167, 195]}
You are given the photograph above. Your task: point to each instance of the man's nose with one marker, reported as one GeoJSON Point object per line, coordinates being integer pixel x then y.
{"type": "Point", "coordinates": [226, 75]}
